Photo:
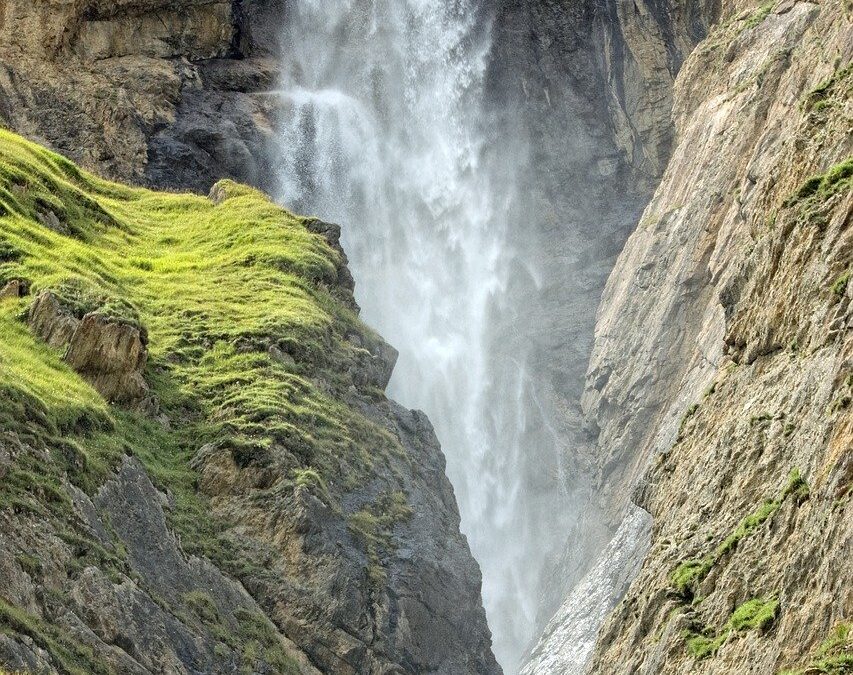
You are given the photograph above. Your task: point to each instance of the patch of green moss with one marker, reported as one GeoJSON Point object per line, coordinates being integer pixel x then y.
{"type": "Point", "coordinates": [690, 573]}
{"type": "Point", "coordinates": [756, 614]}
{"type": "Point", "coordinates": [701, 646]}
{"type": "Point", "coordinates": [833, 657]}
{"type": "Point", "coordinates": [839, 286]}
{"type": "Point", "coordinates": [823, 186]}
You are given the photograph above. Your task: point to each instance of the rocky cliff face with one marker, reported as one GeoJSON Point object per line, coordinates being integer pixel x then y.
{"type": "Point", "coordinates": [720, 377]}
{"type": "Point", "coordinates": [591, 86]}
{"type": "Point", "coordinates": [761, 105]}
{"type": "Point", "coordinates": [162, 92]}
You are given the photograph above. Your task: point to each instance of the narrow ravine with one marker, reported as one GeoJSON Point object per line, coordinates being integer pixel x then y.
{"type": "Point", "coordinates": [383, 131]}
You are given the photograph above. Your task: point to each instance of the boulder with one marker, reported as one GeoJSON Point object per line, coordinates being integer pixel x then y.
{"type": "Point", "coordinates": [111, 354]}
{"type": "Point", "coordinates": [13, 289]}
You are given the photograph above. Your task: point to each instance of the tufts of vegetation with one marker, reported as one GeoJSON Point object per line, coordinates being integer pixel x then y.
{"type": "Point", "coordinates": [838, 85]}
{"type": "Point", "coordinates": [686, 417]}
{"type": "Point", "coordinates": [248, 349]}
{"type": "Point", "coordinates": [833, 657]}
{"type": "Point", "coordinates": [686, 577]}
{"type": "Point", "coordinates": [203, 606]}
{"type": "Point", "coordinates": [758, 15]}
{"type": "Point", "coordinates": [374, 526]}
{"type": "Point", "coordinates": [823, 186]}
{"type": "Point", "coordinates": [755, 614]}
{"type": "Point", "coordinates": [71, 656]}
{"type": "Point", "coordinates": [259, 639]}
{"type": "Point", "coordinates": [839, 286]}
{"type": "Point", "coordinates": [796, 487]}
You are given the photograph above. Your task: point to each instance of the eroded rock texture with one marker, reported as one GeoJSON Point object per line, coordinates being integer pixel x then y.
{"type": "Point", "coordinates": [110, 353]}
{"type": "Point", "coordinates": [162, 92]}
{"type": "Point", "coordinates": [588, 87]}
{"type": "Point", "coordinates": [721, 372]}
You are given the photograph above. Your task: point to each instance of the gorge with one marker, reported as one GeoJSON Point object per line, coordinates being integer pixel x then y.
{"type": "Point", "coordinates": [608, 243]}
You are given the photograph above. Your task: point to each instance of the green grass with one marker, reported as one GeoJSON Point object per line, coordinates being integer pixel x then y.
{"type": "Point", "coordinates": [837, 84]}
{"type": "Point", "coordinates": [686, 577]}
{"type": "Point", "coordinates": [258, 638]}
{"type": "Point", "coordinates": [824, 185]}
{"type": "Point", "coordinates": [833, 657]}
{"type": "Point", "coordinates": [221, 291]}
{"type": "Point", "coordinates": [756, 614]}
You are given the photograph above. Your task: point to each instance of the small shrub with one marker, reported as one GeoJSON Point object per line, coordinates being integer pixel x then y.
{"type": "Point", "coordinates": [839, 286]}
{"type": "Point", "coordinates": [202, 606]}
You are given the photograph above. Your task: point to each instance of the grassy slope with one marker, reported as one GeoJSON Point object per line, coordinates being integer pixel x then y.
{"type": "Point", "coordinates": [215, 287]}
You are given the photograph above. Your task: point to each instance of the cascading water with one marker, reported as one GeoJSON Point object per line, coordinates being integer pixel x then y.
{"type": "Point", "coordinates": [382, 131]}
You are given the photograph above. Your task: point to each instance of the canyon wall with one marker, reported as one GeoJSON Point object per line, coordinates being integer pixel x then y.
{"type": "Point", "coordinates": [610, 94]}
{"type": "Point", "coordinates": [720, 376]}
{"type": "Point", "coordinates": [712, 388]}
{"type": "Point", "coordinates": [591, 86]}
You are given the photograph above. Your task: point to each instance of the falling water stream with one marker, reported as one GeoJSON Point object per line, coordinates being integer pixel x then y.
{"type": "Point", "coordinates": [383, 132]}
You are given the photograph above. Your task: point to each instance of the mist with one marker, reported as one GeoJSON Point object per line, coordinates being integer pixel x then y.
{"type": "Point", "coordinates": [386, 130]}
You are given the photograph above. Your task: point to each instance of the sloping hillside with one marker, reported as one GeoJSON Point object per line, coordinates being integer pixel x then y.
{"type": "Point", "coordinates": [200, 470]}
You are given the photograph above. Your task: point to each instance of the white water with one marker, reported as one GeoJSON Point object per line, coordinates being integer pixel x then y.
{"type": "Point", "coordinates": [382, 131]}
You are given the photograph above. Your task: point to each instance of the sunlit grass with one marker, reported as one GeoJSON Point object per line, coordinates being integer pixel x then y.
{"type": "Point", "coordinates": [247, 334]}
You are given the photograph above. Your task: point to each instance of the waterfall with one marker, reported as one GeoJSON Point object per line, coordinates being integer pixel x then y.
{"type": "Point", "coordinates": [382, 130]}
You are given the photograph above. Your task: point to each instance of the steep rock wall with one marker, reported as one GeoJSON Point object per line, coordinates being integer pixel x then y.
{"type": "Point", "coordinates": [720, 376]}
{"type": "Point", "coordinates": [588, 86]}
{"type": "Point", "coordinates": [162, 92]}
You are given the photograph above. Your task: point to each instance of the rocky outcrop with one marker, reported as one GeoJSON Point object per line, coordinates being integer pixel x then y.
{"type": "Point", "coordinates": [153, 609]}
{"type": "Point", "coordinates": [279, 515]}
{"type": "Point", "coordinates": [163, 92]}
{"type": "Point", "coordinates": [110, 353]}
{"type": "Point", "coordinates": [720, 375]}
{"type": "Point", "coordinates": [355, 609]}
